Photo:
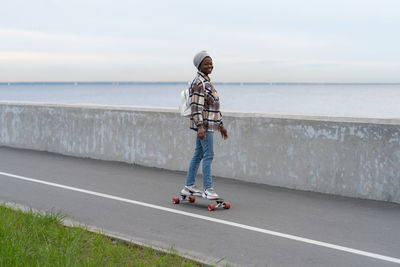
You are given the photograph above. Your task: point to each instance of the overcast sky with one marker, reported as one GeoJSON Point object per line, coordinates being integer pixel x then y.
{"type": "Point", "coordinates": [250, 41]}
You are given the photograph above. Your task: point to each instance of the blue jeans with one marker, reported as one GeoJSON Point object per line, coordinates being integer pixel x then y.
{"type": "Point", "coordinates": [204, 151]}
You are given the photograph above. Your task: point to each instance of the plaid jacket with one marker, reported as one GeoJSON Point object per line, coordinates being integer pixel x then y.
{"type": "Point", "coordinates": [205, 104]}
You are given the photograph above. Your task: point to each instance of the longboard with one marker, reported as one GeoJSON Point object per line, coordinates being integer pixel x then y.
{"type": "Point", "coordinates": [192, 198]}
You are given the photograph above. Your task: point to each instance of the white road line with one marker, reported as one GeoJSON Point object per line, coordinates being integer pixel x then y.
{"type": "Point", "coordinates": [193, 215]}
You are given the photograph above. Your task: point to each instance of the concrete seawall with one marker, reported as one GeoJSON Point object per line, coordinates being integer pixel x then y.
{"type": "Point", "coordinates": [355, 157]}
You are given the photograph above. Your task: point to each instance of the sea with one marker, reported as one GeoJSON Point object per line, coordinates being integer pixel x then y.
{"type": "Point", "coordinates": [373, 100]}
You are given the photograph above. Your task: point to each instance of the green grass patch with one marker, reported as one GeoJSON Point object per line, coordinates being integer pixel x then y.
{"type": "Point", "coordinates": [35, 239]}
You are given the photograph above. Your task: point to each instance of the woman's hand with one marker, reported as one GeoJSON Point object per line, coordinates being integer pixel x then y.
{"type": "Point", "coordinates": [201, 133]}
{"type": "Point", "coordinates": [224, 132]}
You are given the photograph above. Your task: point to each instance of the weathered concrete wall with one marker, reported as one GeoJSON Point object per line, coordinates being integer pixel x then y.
{"type": "Point", "coordinates": [343, 156]}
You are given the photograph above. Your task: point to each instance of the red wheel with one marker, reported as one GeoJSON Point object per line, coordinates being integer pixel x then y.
{"type": "Point", "coordinates": [175, 200]}
{"type": "Point", "coordinates": [192, 199]}
{"type": "Point", "coordinates": [227, 205]}
{"type": "Point", "coordinates": [211, 207]}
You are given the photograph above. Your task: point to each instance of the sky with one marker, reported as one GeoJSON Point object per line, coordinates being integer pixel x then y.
{"type": "Point", "coordinates": [249, 41]}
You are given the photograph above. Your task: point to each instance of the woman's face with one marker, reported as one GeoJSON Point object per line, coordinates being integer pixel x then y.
{"type": "Point", "coordinates": [206, 66]}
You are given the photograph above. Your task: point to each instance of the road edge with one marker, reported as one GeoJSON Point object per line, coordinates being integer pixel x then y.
{"type": "Point", "coordinates": [158, 246]}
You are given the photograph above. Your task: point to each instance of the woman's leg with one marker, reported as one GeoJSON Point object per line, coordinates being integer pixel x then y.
{"type": "Point", "coordinates": [194, 163]}
{"type": "Point", "coordinates": [208, 156]}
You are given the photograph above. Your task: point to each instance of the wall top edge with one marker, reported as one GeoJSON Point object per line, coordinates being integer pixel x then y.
{"type": "Point", "coordinates": [226, 113]}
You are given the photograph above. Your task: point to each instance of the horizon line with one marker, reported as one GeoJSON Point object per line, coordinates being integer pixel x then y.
{"type": "Point", "coordinates": [186, 82]}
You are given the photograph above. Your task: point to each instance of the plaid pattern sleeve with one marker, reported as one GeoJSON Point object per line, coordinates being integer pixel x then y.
{"type": "Point", "coordinates": [205, 104]}
{"type": "Point", "coordinates": [197, 105]}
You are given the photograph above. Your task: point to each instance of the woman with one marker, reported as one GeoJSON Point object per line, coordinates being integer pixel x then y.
{"type": "Point", "coordinates": [206, 118]}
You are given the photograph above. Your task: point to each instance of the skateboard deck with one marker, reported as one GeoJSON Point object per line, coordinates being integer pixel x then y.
{"type": "Point", "coordinates": [192, 198]}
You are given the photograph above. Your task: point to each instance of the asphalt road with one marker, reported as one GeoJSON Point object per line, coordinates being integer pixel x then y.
{"type": "Point", "coordinates": [266, 226]}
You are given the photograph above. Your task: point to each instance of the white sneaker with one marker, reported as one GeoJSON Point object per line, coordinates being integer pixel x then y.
{"type": "Point", "coordinates": [210, 193]}
{"type": "Point", "coordinates": [191, 190]}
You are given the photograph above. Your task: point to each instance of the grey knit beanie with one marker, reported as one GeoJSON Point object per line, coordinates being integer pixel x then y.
{"type": "Point", "coordinates": [198, 58]}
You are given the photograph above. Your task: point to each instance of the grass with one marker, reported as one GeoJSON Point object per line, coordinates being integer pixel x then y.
{"type": "Point", "coordinates": [35, 239]}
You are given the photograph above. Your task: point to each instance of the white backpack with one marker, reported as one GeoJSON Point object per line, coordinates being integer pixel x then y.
{"type": "Point", "coordinates": [184, 107]}
{"type": "Point", "coordinates": [186, 100]}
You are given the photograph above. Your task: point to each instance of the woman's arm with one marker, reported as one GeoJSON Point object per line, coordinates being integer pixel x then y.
{"type": "Point", "coordinates": [197, 107]}
{"type": "Point", "coordinates": [224, 132]}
